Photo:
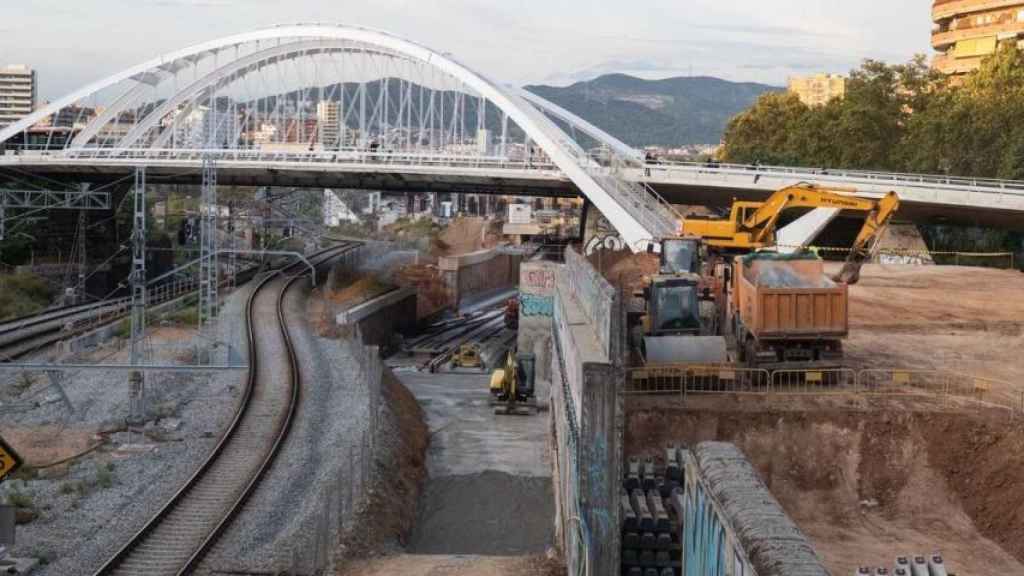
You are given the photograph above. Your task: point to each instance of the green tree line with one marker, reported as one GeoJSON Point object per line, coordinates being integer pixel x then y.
{"type": "Point", "coordinates": [901, 118]}
{"type": "Point", "coordinates": [904, 118]}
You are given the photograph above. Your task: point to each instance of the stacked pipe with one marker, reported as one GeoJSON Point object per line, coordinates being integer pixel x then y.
{"type": "Point", "coordinates": [933, 565]}
{"type": "Point", "coordinates": [651, 502]}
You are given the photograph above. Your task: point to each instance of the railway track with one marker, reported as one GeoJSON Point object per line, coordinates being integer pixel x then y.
{"type": "Point", "coordinates": [29, 334]}
{"type": "Point", "coordinates": [175, 540]}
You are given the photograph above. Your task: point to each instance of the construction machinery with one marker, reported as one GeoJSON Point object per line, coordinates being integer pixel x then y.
{"type": "Point", "coordinates": [676, 321]}
{"type": "Point", "coordinates": [752, 225]}
{"type": "Point", "coordinates": [782, 311]}
{"type": "Point", "coordinates": [717, 288]}
{"type": "Point", "coordinates": [512, 387]}
{"type": "Point", "coordinates": [467, 356]}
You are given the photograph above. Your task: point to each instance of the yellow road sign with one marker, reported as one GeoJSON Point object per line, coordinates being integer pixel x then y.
{"type": "Point", "coordinates": [9, 460]}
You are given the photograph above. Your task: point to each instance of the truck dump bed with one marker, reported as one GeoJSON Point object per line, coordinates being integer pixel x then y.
{"type": "Point", "coordinates": [780, 296]}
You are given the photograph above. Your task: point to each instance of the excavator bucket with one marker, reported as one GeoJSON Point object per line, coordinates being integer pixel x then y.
{"type": "Point", "coordinates": [850, 274]}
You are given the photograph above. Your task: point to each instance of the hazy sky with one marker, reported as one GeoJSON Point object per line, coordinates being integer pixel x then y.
{"type": "Point", "coordinates": [73, 42]}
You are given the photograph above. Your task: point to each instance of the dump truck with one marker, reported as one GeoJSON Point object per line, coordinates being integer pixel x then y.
{"type": "Point", "coordinates": [785, 312]}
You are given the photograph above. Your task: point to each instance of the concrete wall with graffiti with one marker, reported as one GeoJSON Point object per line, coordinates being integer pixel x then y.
{"type": "Point", "coordinates": [536, 309]}
{"type": "Point", "coordinates": [586, 412]}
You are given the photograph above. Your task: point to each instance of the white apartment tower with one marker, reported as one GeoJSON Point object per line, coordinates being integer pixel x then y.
{"type": "Point", "coordinates": [17, 93]}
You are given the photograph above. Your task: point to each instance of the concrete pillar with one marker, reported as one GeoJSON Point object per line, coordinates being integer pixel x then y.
{"type": "Point", "coordinates": [601, 465]}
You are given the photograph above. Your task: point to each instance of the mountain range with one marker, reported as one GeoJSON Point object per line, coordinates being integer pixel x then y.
{"type": "Point", "coordinates": [670, 112]}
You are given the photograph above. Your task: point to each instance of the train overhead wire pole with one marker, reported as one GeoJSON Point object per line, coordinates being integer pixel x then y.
{"type": "Point", "coordinates": [137, 280]}
{"type": "Point", "coordinates": [337, 95]}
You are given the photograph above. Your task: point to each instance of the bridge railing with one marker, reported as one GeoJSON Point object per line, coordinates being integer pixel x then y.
{"type": "Point", "coordinates": [342, 156]}
{"type": "Point", "coordinates": [893, 178]}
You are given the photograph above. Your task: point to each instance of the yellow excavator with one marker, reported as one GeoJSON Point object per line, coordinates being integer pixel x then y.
{"type": "Point", "coordinates": [512, 388]}
{"type": "Point", "coordinates": [751, 225]}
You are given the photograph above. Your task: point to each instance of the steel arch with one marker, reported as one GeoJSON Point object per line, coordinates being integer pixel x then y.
{"type": "Point", "coordinates": [637, 217]}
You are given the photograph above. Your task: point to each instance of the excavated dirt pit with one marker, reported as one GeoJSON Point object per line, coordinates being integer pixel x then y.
{"type": "Point", "coordinates": [870, 483]}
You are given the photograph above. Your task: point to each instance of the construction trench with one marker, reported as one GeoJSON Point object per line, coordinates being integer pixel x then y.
{"type": "Point", "coordinates": [861, 480]}
{"type": "Point", "coordinates": [856, 479]}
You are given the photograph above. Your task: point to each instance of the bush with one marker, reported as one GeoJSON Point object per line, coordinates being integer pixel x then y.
{"type": "Point", "coordinates": [22, 295]}
{"type": "Point", "coordinates": [20, 499]}
{"type": "Point", "coordinates": [104, 476]}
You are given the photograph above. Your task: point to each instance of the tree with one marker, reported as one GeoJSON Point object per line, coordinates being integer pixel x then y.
{"type": "Point", "coordinates": [764, 132]}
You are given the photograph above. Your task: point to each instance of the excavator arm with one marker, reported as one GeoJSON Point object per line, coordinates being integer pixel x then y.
{"type": "Point", "coordinates": [762, 222]}
{"type": "Point", "coordinates": [751, 225]}
{"type": "Point", "coordinates": [868, 237]}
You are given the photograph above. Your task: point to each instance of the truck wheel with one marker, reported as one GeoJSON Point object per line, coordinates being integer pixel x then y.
{"type": "Point", "coordinates": [751, 350]}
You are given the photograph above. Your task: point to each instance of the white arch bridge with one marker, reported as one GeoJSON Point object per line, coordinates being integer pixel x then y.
{"type": "Point", "coordinates": [343, 104]}
{"type": "Point", "coordinates": [349, 107]}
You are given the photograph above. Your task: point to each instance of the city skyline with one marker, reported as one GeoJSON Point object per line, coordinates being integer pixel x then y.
{"type": "Point", "coordinates": [745, 41]}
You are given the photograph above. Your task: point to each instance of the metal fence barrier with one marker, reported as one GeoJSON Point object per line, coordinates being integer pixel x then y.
{"type": "Point", "coordinates": [683, 380]}
{"type": "Point", "coordinates": [697, 379]}
{"type": "Point", "coordinates": [832, 381]}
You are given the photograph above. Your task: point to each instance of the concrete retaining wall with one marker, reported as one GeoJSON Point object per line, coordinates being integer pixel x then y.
{"type": "Point", "coordinates": [536, 311]}
{"type": "Point", "coordinates": [380, 319]}
{"type": "Point", "coordinates": [733, 519]}
{"type": "Point", "coordinates": [478, 273]}
{"type": "Point", "coordinates": [587, 417]}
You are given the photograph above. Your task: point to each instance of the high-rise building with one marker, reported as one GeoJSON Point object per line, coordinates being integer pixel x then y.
{"type": "Point", "coordinates": [17, 93]}
{"type": "Point", "coordinates": [328, 115]}
{"type": "Point", "coordinates": [817, 90]}
{"type": "Point", "coordinates": [966, 31]}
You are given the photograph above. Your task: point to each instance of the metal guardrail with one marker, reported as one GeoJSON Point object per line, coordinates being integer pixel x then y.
{"type": "Point", "coordinates": [685, 380]}
{"type": "Point", "coordinates": [340, 157]}
{"type": "Point", "coordinates": [693, 379]}
{"type": "Point", "coordinates": [891, 178]}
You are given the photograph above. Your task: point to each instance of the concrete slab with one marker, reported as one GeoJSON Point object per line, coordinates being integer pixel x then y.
{"type": "Point", "coordinates": [468, 438]}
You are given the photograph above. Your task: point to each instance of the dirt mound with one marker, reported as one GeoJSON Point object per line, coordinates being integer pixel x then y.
{"type": "Point", "coordinates": [623, 268]}
{"type": "Point", "coordinates": [386, 523]}
{"type": "Point", "coordinates": [466, 234]}
{"type": "Point", "coordinates": [473, 514]}
{"type": "Point", "coordinates": [431, 295]}
{"type": "Point", "coordinates": [868, 486]}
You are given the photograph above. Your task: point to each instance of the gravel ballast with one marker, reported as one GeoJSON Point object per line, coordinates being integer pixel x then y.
{"type": "Point", "coordinates": [91, 507]}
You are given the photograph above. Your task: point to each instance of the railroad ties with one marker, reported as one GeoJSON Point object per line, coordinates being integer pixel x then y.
{"type": "Point", "coordinates": [652, 514]}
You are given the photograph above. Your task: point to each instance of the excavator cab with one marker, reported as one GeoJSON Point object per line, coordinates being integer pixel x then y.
{"type": "Point", "coordinates": [680, 256]}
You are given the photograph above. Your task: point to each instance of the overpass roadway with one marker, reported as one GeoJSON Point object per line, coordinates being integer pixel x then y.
{"type": "Point", "coordinates": [925, 198]}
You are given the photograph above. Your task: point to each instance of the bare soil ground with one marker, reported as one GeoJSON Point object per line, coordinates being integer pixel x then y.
{"type": "Point", "coordinates": [869, 482]}
{"type": "Point", "coordinates": [468, 234]}
{"type": "Point", "coordinates": [43, 445]}
{"type": "Point", "coordinates": [942, 317]}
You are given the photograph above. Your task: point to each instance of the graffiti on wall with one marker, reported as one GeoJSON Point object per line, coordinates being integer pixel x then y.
{"type": "Point", "coordinates": [610, 242]}
{"type": "Point", "coordinates": [531, 305]}
{"type": "Point", "coordinates": [537, 280]}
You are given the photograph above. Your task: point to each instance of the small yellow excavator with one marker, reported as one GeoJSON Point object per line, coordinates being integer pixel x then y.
{"type": "Point", "coordinates": [512, 387]}
{"type": "Point", "coordinates": [751, 225]}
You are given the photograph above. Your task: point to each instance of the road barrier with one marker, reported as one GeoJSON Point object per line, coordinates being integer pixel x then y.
{"type": "Point", "coordinates": [831, 381]}
{"type": "Point", "coordinates": [697, 379]}
{"type": "Point", "coordinates": [684, 379]}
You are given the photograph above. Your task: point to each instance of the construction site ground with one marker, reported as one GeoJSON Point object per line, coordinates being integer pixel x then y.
{"type": "Point", "coordinates": [938, 317]}
{"type": "Point", "coordinates": [487, 505]}
{"type": "Point", "coordinates": [870, 478]}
